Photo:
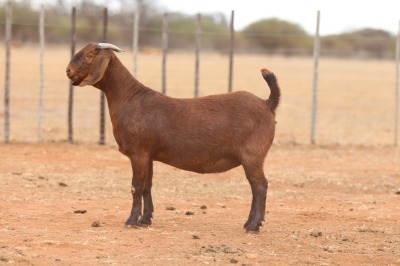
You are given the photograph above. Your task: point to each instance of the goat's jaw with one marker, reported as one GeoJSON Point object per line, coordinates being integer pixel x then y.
{"type": "Point", "coordinates": [75, 79]}
{"type": "Point", "coordinates": [76, 83]}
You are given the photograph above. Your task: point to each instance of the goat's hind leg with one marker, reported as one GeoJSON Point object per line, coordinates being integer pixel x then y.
{"type": "Point", "coordinates": [259, 187]}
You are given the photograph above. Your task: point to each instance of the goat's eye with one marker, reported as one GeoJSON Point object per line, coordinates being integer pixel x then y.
{"type": "Point", "coordinates": [89, 56]}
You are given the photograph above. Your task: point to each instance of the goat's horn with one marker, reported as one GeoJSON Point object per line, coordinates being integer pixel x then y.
{"type": "Point", "coordinates": [109, 46]}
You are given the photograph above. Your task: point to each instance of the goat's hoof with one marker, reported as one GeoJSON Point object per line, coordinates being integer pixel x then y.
{"type": "Point", "coordinates": [144, 222]}
{"type": "Point", "coordinates": [137, 226]}
{"type": "Point", "coordinates": [251, 230]}
{"type": "Point", "coordinates": [132, 222]}
{"type": "Point", "coordinates": [144, 225]}
{"type": "Point", "coordinates": [253, 227]}
{"type": "Point", "coordinates": [127, 226]}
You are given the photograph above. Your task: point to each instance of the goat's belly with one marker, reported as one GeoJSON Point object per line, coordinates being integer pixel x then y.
{"type": "Point", "coordinates": [202, 165]}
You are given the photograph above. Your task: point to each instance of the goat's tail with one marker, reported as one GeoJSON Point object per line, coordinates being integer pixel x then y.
{"type": "Point", "coordinates": [275, 95]}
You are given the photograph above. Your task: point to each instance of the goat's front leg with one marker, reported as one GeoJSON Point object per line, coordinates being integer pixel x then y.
{"type": "Point", "coordinates": [148, 208]}
{"type": "Point", "coordinates": [140, 169]}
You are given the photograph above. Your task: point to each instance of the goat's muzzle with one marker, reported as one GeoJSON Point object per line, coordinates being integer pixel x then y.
{"type": "Point", "coordinates": [72, 75]}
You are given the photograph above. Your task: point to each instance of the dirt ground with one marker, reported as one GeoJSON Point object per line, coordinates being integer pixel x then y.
{"type": "Point", "coordinates": [63, 204]}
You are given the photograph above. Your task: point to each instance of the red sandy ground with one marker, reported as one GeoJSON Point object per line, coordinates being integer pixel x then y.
{"type": "Point", "coordinates": [335, 205]}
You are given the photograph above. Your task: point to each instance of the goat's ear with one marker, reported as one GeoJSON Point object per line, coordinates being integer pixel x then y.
{"type": "Point", "coordinates": [97, 69]}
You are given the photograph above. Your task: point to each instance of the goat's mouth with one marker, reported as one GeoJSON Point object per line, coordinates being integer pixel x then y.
{"type": "Point", "coordinates": [76, 83]}
{"type": "Point", "coordinates": [75, 79]}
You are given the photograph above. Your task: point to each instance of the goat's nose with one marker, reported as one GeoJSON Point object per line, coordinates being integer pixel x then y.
{"type": "Point", "coordinates": [68, 70]}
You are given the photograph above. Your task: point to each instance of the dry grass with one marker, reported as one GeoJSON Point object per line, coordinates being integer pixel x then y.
{"type": "Point", "coordinates": [356, 97]}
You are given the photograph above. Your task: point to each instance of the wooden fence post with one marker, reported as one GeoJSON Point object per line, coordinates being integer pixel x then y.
{"type": "Point", "coordinates": [135, 41]}
{"type": "Point", "coordinates": [397, 90]}
{"type": "Point", "coordinates": [41, 89]}
{"type": "Point", "coordinates": [197, 59]}
{"type": "Point", "coordinates": [164, 53]}
{"type": "Point", "coordinates": [71, 87]}
{"type": "Point", "coordinates": [102, 140]}
{"type": "Point", "coordinates": [315, 81]}
{"type": "Point", "coordinates": [231, 51]}
{"type": "Point", "coordinates": [7, 74]}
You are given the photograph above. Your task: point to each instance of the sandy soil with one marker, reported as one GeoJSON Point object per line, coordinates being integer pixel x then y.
{"type": "Point", "coordinates": [64, 204]}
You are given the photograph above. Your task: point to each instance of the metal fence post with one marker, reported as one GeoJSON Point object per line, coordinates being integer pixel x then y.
{"type": "Point", "coordinates": [102, 140]}
{"type": "Point", "coordinates": [7, 74]}
{"type": "Point", "coordinates": [315, 81]}
{"type": "Point", "coordinates": [231, 51]}
{"type": "Point", "coordinates": [397, 90]}
{"type": "Point", "coordinates": [135, 41]}
{"type": "Point", "coordinates": [197, 56]}
{"type": "Point", "coordinates": [164, 52]}
{"type": "Point", "coordinates": [71, 87]}
{"type": "Point", "coordinates": [41, 89]}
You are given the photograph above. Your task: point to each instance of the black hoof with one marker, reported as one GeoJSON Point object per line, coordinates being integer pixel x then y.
{"type": "Point", "coordinates": [130, 226]}
{"type": "Point", "coordinates": [145, 222]}
{"type": "Point", "coordinates": [252, 230]}
{"type": "Point", "coordinates": [132, 221]}
{"type": "Point", "coordinates": [253, 227]}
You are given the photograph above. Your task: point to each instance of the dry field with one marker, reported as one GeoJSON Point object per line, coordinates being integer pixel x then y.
{"type": "Point", "coordinates": [335, 203]}
{"type": "Point", "coordinates": [356, 97]}
{"type": "Point", "coordinates": [326, 206]}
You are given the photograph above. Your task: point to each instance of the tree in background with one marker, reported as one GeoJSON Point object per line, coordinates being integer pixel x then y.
{"type": "Point", "coordinates": [181, 28]}
{"type": "Point", "coordinates": [25, 21]}
{"type": "Point", "coordinates": [277, 36]}
{"type": "Point", "coordinates": [361, 43]}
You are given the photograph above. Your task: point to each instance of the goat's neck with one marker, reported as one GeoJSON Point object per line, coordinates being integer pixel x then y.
{"type": "Point", "coordinates": [118, 84]}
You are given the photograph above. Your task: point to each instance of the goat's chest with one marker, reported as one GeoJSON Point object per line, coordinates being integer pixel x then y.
{"type": "Point", "coordinates": [131, 135]}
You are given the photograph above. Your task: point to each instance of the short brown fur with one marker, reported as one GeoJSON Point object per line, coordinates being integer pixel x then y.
{"type": "Point", "coordinates": [206, 135]}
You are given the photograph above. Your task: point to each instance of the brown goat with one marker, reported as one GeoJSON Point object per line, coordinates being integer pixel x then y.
{"type": "Point", "coordinates": [205, 135]}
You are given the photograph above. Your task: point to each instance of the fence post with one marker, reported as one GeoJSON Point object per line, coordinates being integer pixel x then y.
{"type": "Point", "coordinates": [42, 43]}
{"type": "Point", "coordinates": [71, 87]}
{"type": "Point", "coordinates": [397, 90]}
{"type": "Point", "coordinates": [7, 74]}
{"type": "Point", "coordinates": [102, 96]}
{"type": "Point", "coordinates": [164, 53]}
{"type": "Point", "coordinates": [135, 41]}
{"type": "Point", "coordinates": [231, 50]}
{"type": "Point", "coordinates": [315, 81]}
{"type": "Point", "coordinates": [197, 59]}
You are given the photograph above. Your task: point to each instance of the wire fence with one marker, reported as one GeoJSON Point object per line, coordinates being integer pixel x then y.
{"type": "Point", "coordinates": [356, 104]}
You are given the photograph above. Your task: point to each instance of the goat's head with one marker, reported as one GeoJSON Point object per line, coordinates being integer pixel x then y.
{"type": "Point", "coordinates": [88, 66]}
